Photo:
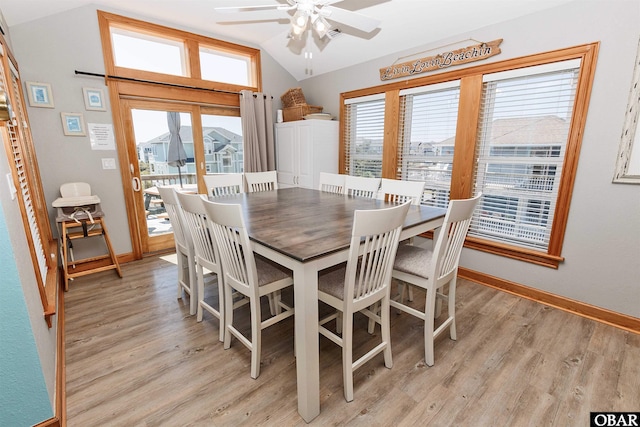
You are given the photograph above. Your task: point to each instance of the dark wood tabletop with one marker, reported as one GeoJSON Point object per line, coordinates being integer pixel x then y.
{"type": "Point", "coordinates": [305, 224]}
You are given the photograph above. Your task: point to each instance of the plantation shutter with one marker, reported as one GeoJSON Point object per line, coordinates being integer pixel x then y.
{"type": "Point", "coordinates": [524, 126]}
{"type": "Point", "coordinates": [26, 178]}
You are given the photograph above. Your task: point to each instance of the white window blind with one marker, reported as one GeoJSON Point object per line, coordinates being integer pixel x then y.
{"type": "Point", "coordinates": [364, 135]}
{"type": "Point", "coordinates": [428, 119]}
{"type": "Point", "coordinates": [524, 125]}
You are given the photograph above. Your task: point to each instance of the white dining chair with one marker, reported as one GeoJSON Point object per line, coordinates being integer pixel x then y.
{"type": "Point", "coordinates": [261, 181]}
{"type": "Point", "coordinates": [247, 274]}
{"type": "Point", "coordinates": [206, 255]}
{"type": "Point", "coordinates": [363, 282]}
{"type": "Point", "coordinates": [361, 186]}
{"type": "Point", "coordinates": [400, 191]}
{"type": "Point", "coordinates": [184, 247]}
{"type": "Point", "coordinates": [331, 182]}
{"type": "Point", "coordinates": [224, 184]}
{"type": "Point", "coordinates": [431, 270]}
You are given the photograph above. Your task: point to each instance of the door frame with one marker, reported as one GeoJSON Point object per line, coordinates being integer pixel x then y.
{"type": "Point", "coordinates": [142, 243]}
{"type": "Point", "coordinates": [185, 99]}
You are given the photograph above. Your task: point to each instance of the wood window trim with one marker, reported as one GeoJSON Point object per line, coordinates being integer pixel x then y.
{"type": "Point", "coordinates": [21, 149]}
{"type": "Point", "coordinates": [191, 42]}
{"type": "Point", "coordinates": [462, 173]}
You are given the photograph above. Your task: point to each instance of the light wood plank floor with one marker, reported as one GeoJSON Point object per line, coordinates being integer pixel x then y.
{"type": "Point", "coordinates": [134, 357]}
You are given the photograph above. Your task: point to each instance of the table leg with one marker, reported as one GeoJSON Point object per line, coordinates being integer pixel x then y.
{"type": "Point", "coordinates": [305, 279]}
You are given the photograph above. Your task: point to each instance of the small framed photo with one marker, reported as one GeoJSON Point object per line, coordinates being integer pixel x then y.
{"type": "Point", "coordinates": [94, 99]}
{"type": "Point", "coordinates": [73, 124]}
{"type": "Point", "coordinates": [39, 94]}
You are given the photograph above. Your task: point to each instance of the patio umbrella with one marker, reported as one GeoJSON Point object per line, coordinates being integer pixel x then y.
{"type": "Point", "coordinates": [176, 156]}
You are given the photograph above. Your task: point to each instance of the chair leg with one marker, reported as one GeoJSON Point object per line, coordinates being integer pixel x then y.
{"type": "Point", "coordinates": [347, 356]}
{"type": "Point", "coordinates": [228, 316]}
{"type": "Point", "coordinates": [375, 308]}
{"type": "Point", "coordinates": [190, 266]}
{"type": "Point", "coordinates": [452, 308]}
{"type": "Point", "coordinates": [222, 307]}
{"type": "Point", "coordinates": [272, 303]}
{"type": "Point", "coordinates": [256, 336]}
{"type": "Point", "coordinates": [200, 285]}
{"type": "Point", "coordinates": [180, 274]}
{"type": "Point", "coordinates": [428, 326]}
{"type": "Point", "coordinates": [386, 332]}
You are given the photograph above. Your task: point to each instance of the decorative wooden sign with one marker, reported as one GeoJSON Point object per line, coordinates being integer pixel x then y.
{"type": "Point", "coordinates": [443, 60]}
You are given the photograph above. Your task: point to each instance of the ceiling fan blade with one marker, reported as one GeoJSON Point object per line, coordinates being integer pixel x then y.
{"type": "Point", "coordinates": [352, 19]}
{"type": "Point", "coordinates": [231, 9]}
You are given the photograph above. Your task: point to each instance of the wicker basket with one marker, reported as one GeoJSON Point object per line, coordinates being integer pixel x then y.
{"type": "Point", "coordinates": [293, 97]}
{"type": "Point", "coordinates": [291, 114]}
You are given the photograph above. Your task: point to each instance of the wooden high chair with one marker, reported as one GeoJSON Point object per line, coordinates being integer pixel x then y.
{"type": "Point", "coordinates": [80, 216]}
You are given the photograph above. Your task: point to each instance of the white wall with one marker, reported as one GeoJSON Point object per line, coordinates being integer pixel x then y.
{"type": "Point", "coordinates": [602, 241]}
{"type": "Point", "coordinates": [51, 50]}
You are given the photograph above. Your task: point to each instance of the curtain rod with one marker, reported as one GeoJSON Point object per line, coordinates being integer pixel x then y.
{"type": "Point", "coordinates": [131, 79]}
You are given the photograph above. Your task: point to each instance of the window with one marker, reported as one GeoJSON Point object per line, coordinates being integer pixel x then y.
{"type": "Point", "coordinates": [428, 119]}
{"type": "Point", "coordinates": [16, 137]}
{"type": "Point", "coordinates": [364, 135]}
{"type": "Point", "coordinates": [524, 125]}
{"type": "Point", "coordinates": [144, 51]}
{"type": "Point", "coordinates": [219, 66]}
{"type": "Point", "coordinates": [511, 130]}
{"type": "Point", "coordinates": [149, 53]}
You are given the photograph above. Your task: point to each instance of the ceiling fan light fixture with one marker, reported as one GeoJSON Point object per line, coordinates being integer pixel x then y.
{"type": "Point", "coordinates": [300, 19]}
{"type": "Point", "coordinates": [320, 25]}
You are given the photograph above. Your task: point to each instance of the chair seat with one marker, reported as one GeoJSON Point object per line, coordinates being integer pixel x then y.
{"type": "Point", "coordinates": [413, 260]}
{"type": "Point", "coordinates": [268, 272]}
{"type": "Point", "coordinates": [332, 281]}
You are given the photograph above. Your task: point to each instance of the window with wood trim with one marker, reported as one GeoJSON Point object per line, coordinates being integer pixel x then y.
{"type": "Point", "coordinates": [144, 51]}
{"type": "Point", "coordinates": [364, 130]}
{"type": "Point", "coordinates": [524, 126]}
{"type": "Point", "coordinates": [511, 130]}
{"type": "Point", "coordinates": [428, 121]}
{"type": "Point", "coordinates": [19, 148]}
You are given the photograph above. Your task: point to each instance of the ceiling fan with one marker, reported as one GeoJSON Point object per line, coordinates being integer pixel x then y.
{"type": "Point", "coordinates": [314, 14]}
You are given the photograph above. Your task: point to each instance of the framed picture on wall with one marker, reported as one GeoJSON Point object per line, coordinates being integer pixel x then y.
{"type": "Point", "coordinates": [39, 94]}
{"type": "Point", "coordinates": [73, 124]}
{"type": "Point", "coordinates": [94, 99]}
{"type": "Point", "coordinates": [628, 160]}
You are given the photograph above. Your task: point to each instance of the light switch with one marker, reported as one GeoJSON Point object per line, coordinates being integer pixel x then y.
{"type": "Point", "coordinates": [108, 163]}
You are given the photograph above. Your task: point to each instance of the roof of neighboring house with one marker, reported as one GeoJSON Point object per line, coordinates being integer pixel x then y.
{"type": "Point", "coordinates": [217, 134]}
{"type": "Point", "coordinates": [540, 130]}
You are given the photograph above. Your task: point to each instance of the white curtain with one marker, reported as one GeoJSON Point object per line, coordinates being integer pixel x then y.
{"type": "Point", "coordinates": [256, 111]}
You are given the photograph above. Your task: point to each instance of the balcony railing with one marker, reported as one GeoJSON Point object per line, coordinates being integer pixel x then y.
{"type": "Point", "coordinates": [149, 181]}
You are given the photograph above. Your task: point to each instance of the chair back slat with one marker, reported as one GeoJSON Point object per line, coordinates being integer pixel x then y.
{"type": "Point", "coordinates": [331, 183]}
{"type": "Point", "coordinates": [261, 181]}
{"type": "Point", "coordinates": [224, 184]}
{"type": "Point", "coordinates": [196, 221]}
{"type": "Point", "coordinates": [448, 246]}
{"type": "Point", "coordinates": [236, 254]}
{"type": "Point", "coordinates": [374, 242]}
{"type": "Point", "coordinates": [359, 186]}
{"type": "Point", "coordinates": [400, 191]}
{"type": "Point", "coordinates": [176, 216]}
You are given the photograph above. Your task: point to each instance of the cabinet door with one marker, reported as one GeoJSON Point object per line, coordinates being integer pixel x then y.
{"type": "Point", "coordinates": [305, 150]}
{"type": "Point", "coordinates": [286, 157]}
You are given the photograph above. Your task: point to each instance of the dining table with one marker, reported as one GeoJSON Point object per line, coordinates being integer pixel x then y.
{"type": "Point", "coordinates": [307, 231]}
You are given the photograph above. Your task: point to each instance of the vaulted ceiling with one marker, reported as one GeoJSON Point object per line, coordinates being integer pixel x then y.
{"type": "Point", "coordinates": [404, 24]}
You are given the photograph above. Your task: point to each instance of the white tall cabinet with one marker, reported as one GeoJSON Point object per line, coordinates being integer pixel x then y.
{"type": "Point", "coordinates": [304, 148]}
